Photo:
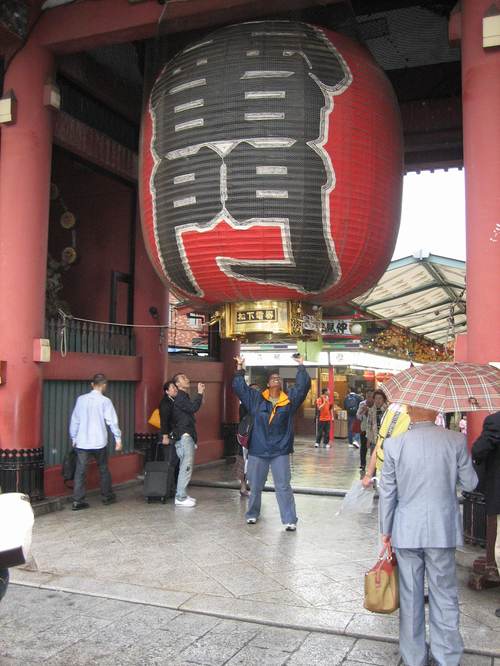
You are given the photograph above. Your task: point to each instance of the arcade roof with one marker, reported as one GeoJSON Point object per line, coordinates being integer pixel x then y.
{"type": "Point", "coordinates": [424, 293]}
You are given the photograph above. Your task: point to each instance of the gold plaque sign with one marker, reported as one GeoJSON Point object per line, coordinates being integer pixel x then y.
{"type": "Point", "coordinates": [269, 320]}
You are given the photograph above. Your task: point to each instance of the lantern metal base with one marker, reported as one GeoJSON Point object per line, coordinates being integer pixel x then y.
{"type": "Point", "coordinates": [270, 320]}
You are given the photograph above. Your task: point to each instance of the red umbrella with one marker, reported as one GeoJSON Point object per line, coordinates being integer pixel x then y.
{"type": "Point", "coordinates": [447, 387]}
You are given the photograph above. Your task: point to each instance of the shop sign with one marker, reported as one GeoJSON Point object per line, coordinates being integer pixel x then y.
{"type": "Point", "coordinates": [338, 328]}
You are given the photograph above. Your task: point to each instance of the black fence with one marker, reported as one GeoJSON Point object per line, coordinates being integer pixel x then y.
{"type": "Point", "coordinates": [88, 338]}
{"type": "Point", "coordinates": [21, 471]}
{"type": "Point", "coordinates": [474, 516]}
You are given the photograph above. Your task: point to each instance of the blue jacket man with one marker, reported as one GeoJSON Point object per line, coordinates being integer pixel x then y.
{"type": "Point", "coordinates": [271, 442]}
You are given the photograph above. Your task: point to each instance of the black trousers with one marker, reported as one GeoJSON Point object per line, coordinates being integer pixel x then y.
{"type": "Point", "coordinates": [82, 458]}
{"type": "Point", "coordinates": [323, 432]}
{"type": "Point", "coordinates": [363, 450]}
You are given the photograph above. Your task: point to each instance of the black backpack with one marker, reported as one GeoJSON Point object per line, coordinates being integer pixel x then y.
{"type": "Point", "coordinates": [351, 404]}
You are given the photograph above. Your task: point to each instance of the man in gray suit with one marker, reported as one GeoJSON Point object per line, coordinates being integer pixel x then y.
{"type": "Point", "coordinates": [420, 517]}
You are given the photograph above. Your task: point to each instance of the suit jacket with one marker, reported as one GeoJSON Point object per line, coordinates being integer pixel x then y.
{"type": "Point", "coordinates": [418, 489]}
{"type": "Point", "coordinates": [486, 453]}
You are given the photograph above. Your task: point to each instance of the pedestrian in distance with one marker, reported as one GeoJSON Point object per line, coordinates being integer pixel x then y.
{"type": "Point", "coordinates": [185, 436]}
{"type": "Point", "coordinates": [420, 519]}
{"type": "Point", "coordinates": [241, 463]}
{"type": "Point", "coordinates": [92, 415]}
{"type": "Point", "coordinates": [271, 441]}
{"type": "Point", "coordinates": [166, 409]}
{"type": "Point", "coordinates": [351, 404]}
{"type": "Point", "coordinates": [362, 416]}
{"type": "Point", "coordinates": [374, 418]}
{"type": "Point", "coordinates": [324, 410]}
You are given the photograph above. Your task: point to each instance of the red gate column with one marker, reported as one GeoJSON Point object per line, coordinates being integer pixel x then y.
{"type": "Point", "coordinates": [230, 349]}
{"type": "Point", "coordinates": [481, 130]}
{"type": "Point", "coordinates": [149, 292]}
{"type": "Point", "coordinates": [24, 210]}
{"type": "Point", "coordinates": [230, 410]}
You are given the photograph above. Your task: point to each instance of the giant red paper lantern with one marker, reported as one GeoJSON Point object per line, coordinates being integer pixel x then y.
{"type": "Point", "coordinates": [271, 166]}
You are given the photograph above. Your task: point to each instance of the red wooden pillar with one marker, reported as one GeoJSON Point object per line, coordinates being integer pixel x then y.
{"type": "Point", "coordinates": [149, 292]}
{"type": "Point", "coordinates": [230, 403]}
{"type": "Point", "coordinates": [481, 133]}
{"type": "Point", "coordinates": [331, 389]}
{"type": "Point", "coordinates": [26, 148]}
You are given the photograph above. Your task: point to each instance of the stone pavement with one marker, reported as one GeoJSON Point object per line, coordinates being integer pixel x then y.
{"type": "Point", "coordinates": [60, 629]}
{"type": "Point", "coordinates": [334, 468]}
{"type": "Point", "coordinates": [208, 561]}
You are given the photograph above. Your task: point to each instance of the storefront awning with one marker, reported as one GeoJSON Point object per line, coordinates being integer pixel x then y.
{"type": "Point", "coordinates": [424, 293]}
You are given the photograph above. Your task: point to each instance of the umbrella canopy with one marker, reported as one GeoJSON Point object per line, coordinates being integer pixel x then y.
{"type": "Point", "coordinates": [447, 387]}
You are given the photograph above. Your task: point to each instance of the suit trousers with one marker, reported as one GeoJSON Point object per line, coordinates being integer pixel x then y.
{"type": "Point", "coordinates": [257, 471]}
{"type": "Point", "coordinates": [445, 639]}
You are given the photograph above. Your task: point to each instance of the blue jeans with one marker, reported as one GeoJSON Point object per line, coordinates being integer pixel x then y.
{"type": "Point", "coordinates": [185, 448]}
{"type": "Point", "coordinates": [350, 435]}
{"type": "Point", "coordinates": [257, 471]}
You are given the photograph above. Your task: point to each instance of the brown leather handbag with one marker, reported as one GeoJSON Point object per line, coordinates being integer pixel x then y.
{"type": "Point", "coordinates": [382, 584]}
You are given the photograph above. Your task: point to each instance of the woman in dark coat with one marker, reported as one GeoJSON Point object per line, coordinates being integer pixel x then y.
{"type": "Point", "coordinates": [486, 455]}
{"type": "Point", "coordinates": [486, 452]}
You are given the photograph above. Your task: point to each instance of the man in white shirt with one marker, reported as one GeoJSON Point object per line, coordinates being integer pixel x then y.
{"type": "Point", "coordinates": [88, 432]}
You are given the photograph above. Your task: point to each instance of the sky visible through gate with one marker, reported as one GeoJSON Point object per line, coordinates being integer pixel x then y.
{"type": "Point", "coordinates": [433, 214]}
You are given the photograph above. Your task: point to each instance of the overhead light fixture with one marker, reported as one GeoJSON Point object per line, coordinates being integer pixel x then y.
{"type": "Point", "coordinates": [50, 4]}
{"type": "Point", "coordinates": [491, 28]}
{"type": "Point", "coordinates": [52, 95]}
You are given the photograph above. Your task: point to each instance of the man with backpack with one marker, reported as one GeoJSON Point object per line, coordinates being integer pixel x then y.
{"type": "Point", "coordinates": [351, 404]}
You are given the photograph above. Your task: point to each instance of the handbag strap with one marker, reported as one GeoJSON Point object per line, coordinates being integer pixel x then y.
{"type": "Point", "coordinates": [385, 554]}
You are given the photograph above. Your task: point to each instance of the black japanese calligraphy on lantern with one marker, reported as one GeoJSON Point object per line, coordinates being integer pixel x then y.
{"type": "Point", "coordinates": [239, 125]}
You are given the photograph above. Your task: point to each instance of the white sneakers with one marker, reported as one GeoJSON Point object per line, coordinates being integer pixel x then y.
{"type": "Point", "coordinates": [290, 527]}
{"type": "Point", "coordinates": [316, 445]}
{"type": "Point", "coordinates": [188, 502]}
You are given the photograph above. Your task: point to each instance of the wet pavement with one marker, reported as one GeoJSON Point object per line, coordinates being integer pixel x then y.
{"type": "Point", "coordinates": [335, 468]}
{"type": "Point", "coordinates": [79, 630]}
{"type": "Point", "coordinates": [208, 562]}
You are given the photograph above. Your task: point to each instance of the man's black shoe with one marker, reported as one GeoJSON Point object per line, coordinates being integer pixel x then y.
{"type": "Point", "coordinates": [78, 506]}
{"type": "Point", "coordinates": [109, 500]}
{"type": "Point", "coordinates": [497, 612]}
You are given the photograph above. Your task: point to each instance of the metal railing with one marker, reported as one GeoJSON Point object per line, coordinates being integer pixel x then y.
{"type": "Point", "coordinates": [90, 338]}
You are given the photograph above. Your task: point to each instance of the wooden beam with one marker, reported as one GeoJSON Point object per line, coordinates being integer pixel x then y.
{"type": "Point", "coordinates": [95, 147]}
{"type": "Point", "coordinates": [100, 82]}
{"type": "Point", "coordinates": [85, 25]}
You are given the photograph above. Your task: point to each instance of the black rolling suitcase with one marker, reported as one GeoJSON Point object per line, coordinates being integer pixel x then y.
{"type": "Point", "coordinates": [159, 479]}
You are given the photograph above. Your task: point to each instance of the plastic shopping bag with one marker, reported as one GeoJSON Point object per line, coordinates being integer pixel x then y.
{"type": "Point", "coordinates": [358, 499]}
